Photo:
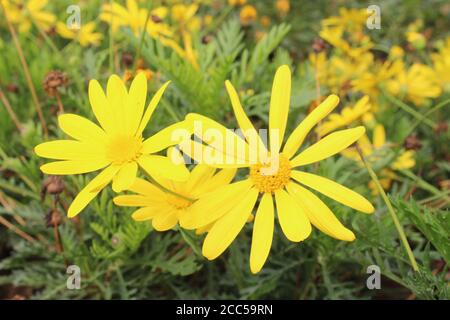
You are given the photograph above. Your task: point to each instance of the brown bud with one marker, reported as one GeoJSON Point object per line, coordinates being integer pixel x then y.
{"type": "Point", "coordinates": [207, 39]}
{"type": "Point", "coordinates": [115, 241]}
{"type": "Point", "coordinates": [441, 127]}
{"type": "Point", "coordinates": [53, 81]}
{"type": "Point", "coordinates": [156, 19]}
{"type": "Point", "coordinates": [127, 59]}
{"type": "Point", "coordinates": [52, 185]}
{"type": "Point", "coordinates": [53, 218]}
{"type": "Point", "coordinates": [319, 45]}
{"type": "Point", "coordinates": [412, 143]}
{"type": "Point", "coordinates": [12, 87]}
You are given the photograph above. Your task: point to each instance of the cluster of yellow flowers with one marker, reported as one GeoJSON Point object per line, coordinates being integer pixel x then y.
{"type": "Point", "coordinates": [350, 67]}
{"type": "Point", "coordinates": [205, 198]}
{"type": "Point", "coordinates": [177, 34]}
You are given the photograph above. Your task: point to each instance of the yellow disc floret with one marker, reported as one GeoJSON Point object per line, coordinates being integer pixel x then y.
{"type": "Point", "coordinates": [272, 175]}
{"type": "Point", "coordinates": [122, 149]}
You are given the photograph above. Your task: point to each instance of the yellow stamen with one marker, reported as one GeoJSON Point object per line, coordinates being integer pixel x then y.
{"type": "Point", "coordinates": [272, 175]}
{"type": "Point", "coordinates": [122, 149]}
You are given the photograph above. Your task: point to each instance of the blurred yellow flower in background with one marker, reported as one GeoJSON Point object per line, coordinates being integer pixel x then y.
{"type": "Point", "coordinates": [85, 34]}
{"type": "Point", "coordinates": [349, 115]}
{"type": "Point", "coordinates": [441, 65]}
{"type": "Point", "coordinates": [25, 13]}
{"type": "Point", "coordinates": [248, 15]}
{"type": "Point", "coordinates": [418, 84]}
{"type": "Point", "coordinates": [376, 150]}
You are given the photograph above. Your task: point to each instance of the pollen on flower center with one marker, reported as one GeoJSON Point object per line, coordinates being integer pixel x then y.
{"type": "Point", "coordinates": [122, 149]}
{"type": "Point", "coordinates": [178, 202]}
{"type": "Point", "coordinates": [272, 175]}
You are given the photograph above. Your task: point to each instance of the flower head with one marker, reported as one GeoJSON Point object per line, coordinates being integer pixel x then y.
{"type": "Point", "coordinates": [165, 206]}
{"type": "Point", "coordinates": [25, 13]}
{"type": "Point", "coordinates": [84, 34]}
{"type": "Point", "coordinates": [248, 14]}
{"type": "Point", "coordinates": [116, 145]}
{"type": "Point", "coordinates": [273, 176]}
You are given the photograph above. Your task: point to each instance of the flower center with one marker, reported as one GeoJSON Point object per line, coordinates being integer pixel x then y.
{"type": "Point", "coordinates": [271, 175]}
{"type": "Point", "coordinates": [178, 202]}
{"type": "Point", "coordinates": [122, 149]}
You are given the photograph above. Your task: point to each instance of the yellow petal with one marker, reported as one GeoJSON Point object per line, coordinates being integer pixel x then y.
{"type": "Point", "coordinates": [210, 156]}
{"type": "Point", "coordinates": [221, 178]}
{"type": "Point", "coordinates": [86, 195]}
{"type": "Point", "coordinates": [334, 190]}
{"type": "Point", "coordinates": [328, 146]}
{"type": "Point", "coordinates": [218, 137]}
{"type": "Point", "coordinates": [214, 205]}
{"type": "Point", "coordinates": [379, 136]}
{"type": "Point", "coordinates": [147, 189]}
{"type": "Point", "coordinates": [99, 105]}
{"type": "Point", "coordinates": [81, 128]}
{"type": "Point", "coordinates": [292, 218]}
{"type": "Point", "coordinates": [117, 96]}
{"type": "Point", "coordinates": [165, 220]}
{"type": "Point", "coordinates": [225, 230]}
{"type": "Point", "coordinates": [279, 107]}
{"type": "Point", "coordinates": [151, 107]}
{"type": "Point", "coordinates": [298, 136]}
{"type": "Point", "coordinates": [163, 166]}
{"type": "Point", "coordinates": [125, 177]}
{"type": "Point", "coordinates": [73, 166]}
{"type": "Point", "coordinates": [169, 136]}
{"type": "Point", "coordinates": [134, 201]}
{"type": "Point", "coordinates": [253, 139]}
{"type": "Point", "coordinates": [319, 214]}
{"type": "Point", "coordinates": [69, 150]}
{"type": "Point", "coordinates": [136, 101]}
{"type": "Point", "coordinates": [199, 175]}
{"type": "Point", "coordinates": [145, 213]}
{"type": "Point", "coordinates": [262, 233]}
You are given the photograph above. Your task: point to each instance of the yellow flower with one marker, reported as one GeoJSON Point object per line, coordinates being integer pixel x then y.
{"type": "Point", "coordinates": [166, 207]}
{"type": "Point", "coordinates": [441, 66]}
{"type": "Point", "coordinates": [26, 13]}
{"type": "Point", "coordinates": [347, 116]}
{"type": "Point", "coordinates": [272, 174]}
{"type": "Point", "coordinates": [116, 146]}
{"type": "Point", "coordinates": [282, 7]}
{"type": "Point", "coordinates": [396, 52]}
{"type": "Point", "coordinates": [134, 17]}
{"type": "Point", "coordinates": [416, 39]}
{"type": "Point", "coordinates": [265, 21]}
{"type": "Point", "coordinates": [375, 151]}
{"type": "Point", "coordinates": [85, 35]}
{"type": "Point", "coordinates": [368, 82]}
{"type": "Point", "coordinates": [349, 19]}
{"type": "Point", "coordinates": [236, 3]}
{"type": "Point", "coordinates": [247, 15]}
{"type": "Point", "coordinates": [418, 84]}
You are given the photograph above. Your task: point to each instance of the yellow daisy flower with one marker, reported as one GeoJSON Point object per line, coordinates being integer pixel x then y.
{"type": "Point", "coordinates": [441, 65]}
{"type": "Point", "coordinates": [85, 35]}
{"type": "Point", "coordinates": [24, 13]}
{"type": "Point", "coordinates": [418, 84]}
{"type": "Point", "coordinates": [165, 207]}
{"type": "Point", "coordinates": [375, 150]}
{"type": "Point", "coordinates": [346, 117]}
{"type": "Point", "coordinates": [273, 174]}
{"type": "Point", "coordinates": [116, 146]}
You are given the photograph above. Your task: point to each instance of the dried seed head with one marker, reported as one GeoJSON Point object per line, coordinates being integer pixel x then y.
{"type": "Point", "coordinates": [52, 185]}
{"type": "Point", "coordinates": [319, 45]}
{"type": "Point", "coordinates": [156, 19]}
{"type": "Point", "coordinates": [53, 218]}
{"type": "Point", "coordinates": [441, 127]}
{"type": "Point", "coordinates": [207, 39]}
{"type": "Point", "coordinates": [12, 87]}
{"type": "Point", "coordinates": [127, 59]}
{"type": "Point", "coordinates": [53, 81]}
{"type": "Point", "coordinates": [412, 143]}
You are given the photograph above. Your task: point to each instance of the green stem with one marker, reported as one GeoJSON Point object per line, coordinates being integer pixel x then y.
{"type": "Point", "coordinates": [428, 113]}
{"type": "Point", "coordinates": [111, 42]}
{"type": "Point", "coordinates": [420, 117]}
{"type": "Point", "coordinates": [391, 210]}
{"type": "Point", "coordinates": [164, 189]}
{"type": "Point", "coordinates": [141, 41]}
